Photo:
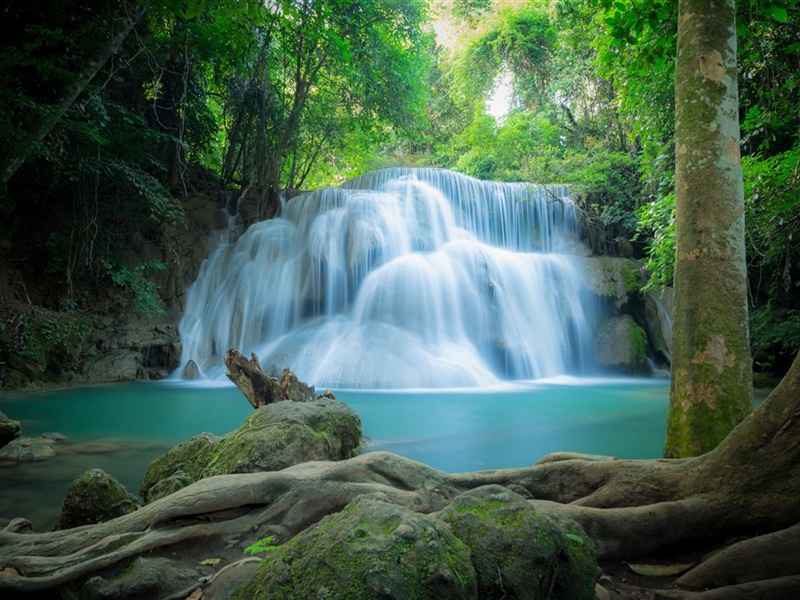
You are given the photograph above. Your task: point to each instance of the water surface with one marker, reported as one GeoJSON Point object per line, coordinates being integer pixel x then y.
{"type": "Point", "coordinates": [121, 428]}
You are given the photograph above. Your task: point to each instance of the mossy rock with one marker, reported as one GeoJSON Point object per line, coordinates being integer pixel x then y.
{"type": "Point", "coordinates": [93, 498]}
{"type": "Point", "coordinates": [274, 437]}
{"type": "Point", "coordinates": [520, 553]}
{"type": "Point", "coordinates": [189, 459]}
{"type": "Point", "coordinates": [371, 549]}
{"type": "Point", "coordinates": [621, 344]}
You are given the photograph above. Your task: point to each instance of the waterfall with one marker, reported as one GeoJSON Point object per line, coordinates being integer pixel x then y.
{"type": "Point", "coordinates": [399, 278]}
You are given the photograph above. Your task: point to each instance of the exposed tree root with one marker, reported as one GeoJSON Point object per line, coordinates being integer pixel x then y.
{"type": "Point", "coordinates": [763, 557]}
{"type": "Point", "coordinates": [633, 509]}
{"type": "Point", "coordinates": [779, 588]}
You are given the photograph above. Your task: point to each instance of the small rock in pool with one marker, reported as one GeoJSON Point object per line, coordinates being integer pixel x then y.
{"type": "Point", "coordinates": [93, 498]}
{"type": "Point", "coordinates": [27, 449]}
{"type": "Point", "coordinates": [191, 371]}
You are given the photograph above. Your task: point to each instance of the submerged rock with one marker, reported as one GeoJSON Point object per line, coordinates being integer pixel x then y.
{"type": "Point", "coordinates": [371, 549]}
{"type": "Point", "coordinates": [520, 553]}
{"type": "Point", "coordinates": [93, 498]}
{"type": "Point", "coordinates": [27, 449]}
{"type": "Point", "coordinates": [622, 345]}
{"type": "Point", "coordinates": [274, 437]}
{"type": "Point", "coordinates": [9, 429]}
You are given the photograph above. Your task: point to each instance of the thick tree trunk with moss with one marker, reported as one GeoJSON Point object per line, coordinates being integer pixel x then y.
{"type": "Point", "coordinates": [711, 368]}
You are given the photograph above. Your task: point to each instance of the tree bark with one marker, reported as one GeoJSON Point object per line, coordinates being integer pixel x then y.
{"type": "Point", "coordinates": [26, 146]}
{"type": "Point", "coordinates": [711, 369]}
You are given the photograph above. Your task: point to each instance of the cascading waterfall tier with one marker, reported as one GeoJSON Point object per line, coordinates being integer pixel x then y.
{"type": "Point", "coordinates": [401, 278]}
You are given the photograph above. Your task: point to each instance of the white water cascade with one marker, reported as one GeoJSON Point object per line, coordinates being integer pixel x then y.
{"type": "Point", "coordinates": [402, 278]}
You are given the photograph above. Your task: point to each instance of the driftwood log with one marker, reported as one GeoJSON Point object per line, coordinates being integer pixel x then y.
{"type": "Point", "coordinates": [748, 489]}
{"type": "Point", "coordinates": [259, 387]}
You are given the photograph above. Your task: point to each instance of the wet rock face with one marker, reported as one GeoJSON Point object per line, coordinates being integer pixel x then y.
{"type": "Point", "coordinates": [93, 498]}
{"type": "Point", "coordinates": [622, 345]}
{"type": "Point", "coordinates": [274, 437]}
{"type": "Point", "coordinates": [9, 429]}
{"type": "Point", "coordinates": [659, 306]}
{"type": "Point", "coordinates": [371, 549]}
{"type": "Point", "coordinates": [191, 371]}
{"type": "Point", "coordinates": [520, 553]}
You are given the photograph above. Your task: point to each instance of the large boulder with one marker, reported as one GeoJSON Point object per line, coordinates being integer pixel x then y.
{"type": "Point", "coordinates": [520, 553]}
{"type": "Point", "coordinates": [621, 345]}
{"type": "Point", "coordinates": [9, 429]}
{"type": "Point", "coordinates": [95, 497]}
{"type": "Point", "coordinates": [274, 437]}
{"type": "Point", "coordinates": [371, 549]}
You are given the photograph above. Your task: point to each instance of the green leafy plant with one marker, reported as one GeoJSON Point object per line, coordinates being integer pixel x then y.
{"type": "Point", "coordinates": [262, 546]}
{"type": "Point", "coordinates": [657, 222]}
{"type": "Point", "coordinates": [136, 281]}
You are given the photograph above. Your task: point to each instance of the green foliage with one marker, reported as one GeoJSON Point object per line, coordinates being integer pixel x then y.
{"type": "Point", "coordinates": [136, 282]}
{"type": "Point", "coordinates": [772, 208]}
{"type": "Point", "coordinates": [42, 342]}
{"type": "Point", "coordinates": [657, 222]}
{"type": "Point", "coordinates": [775, 335]}
{"type": "Point", "coordinates": [518, 40]}
{"type": "Point", "coordinates": [262, 546]}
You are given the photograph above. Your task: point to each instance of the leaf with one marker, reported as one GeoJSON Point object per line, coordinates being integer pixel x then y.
{"type": "Point", "coordinates": [210, 562]}
{"type": "Point", "coordinates": [778, 13]}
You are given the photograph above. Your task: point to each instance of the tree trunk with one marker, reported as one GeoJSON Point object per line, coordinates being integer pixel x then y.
{"type": "Point", "coordinates": [711, 368]}
{"type": "Point", "coordinates": [53, 116]}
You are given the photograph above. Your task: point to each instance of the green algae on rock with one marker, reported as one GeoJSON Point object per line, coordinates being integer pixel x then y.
{"type": "Point", "coordinates": [274, 437]}
{"type": "Point", "coordinates": [371, 549]}
{"type": "Point", "coordinates": [93, 498]}
{"type": "Point", "coordinates": [520, 553]}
